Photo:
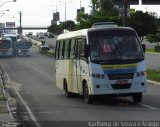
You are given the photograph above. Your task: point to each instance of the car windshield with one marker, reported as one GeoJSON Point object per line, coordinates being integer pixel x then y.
{"type": "Point", "coordinates": [5, 44]}
{"type": "Point", "coordinates": [114, 45]}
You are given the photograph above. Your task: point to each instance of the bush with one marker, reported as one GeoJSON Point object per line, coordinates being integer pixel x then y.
{"type": "Point", "coordinates": [153, 38]}
{"type": "Point", "coordinates": [157, 48]}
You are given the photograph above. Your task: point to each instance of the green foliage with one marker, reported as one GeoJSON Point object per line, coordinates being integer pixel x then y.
{"type": "Point", "coordinates": [143, 23]}
{"type": "Point", "coordinates": [57, 29]}
{"type": "Point", "coordinates": [69, 25]}
{"type": "Point", "coordinates": [153, 38]}
{"type": "Point", "coordinates": [86, 21]}
{"type": "Point", "coordinates": [153, 75]}
{"type": "Point", "coordinates": [157, 48]}
{"type": "Point", "coordinates": [105, 7]}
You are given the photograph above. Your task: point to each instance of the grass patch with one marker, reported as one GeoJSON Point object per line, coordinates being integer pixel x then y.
{"type": "Point", "coordinates": [151, 51]}
{"type": "Point", "coordinates": [47, 53]}
{"type": "Point", "coordinates": [153, 75]}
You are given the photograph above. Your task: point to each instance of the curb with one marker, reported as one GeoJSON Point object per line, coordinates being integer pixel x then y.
{"type": "Point", "coordinates": [153, 82]}
{"type": "Point", "coordinates": [10, 103]}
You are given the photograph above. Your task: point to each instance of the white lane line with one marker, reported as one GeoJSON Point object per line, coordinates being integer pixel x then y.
{"type": "Point", "coordinates": [147, 106]}
{"type": "Point", "coordinates": [23, 102]}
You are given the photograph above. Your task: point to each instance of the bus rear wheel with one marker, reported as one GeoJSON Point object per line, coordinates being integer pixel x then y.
{"type": "Point", "coordinates": [67, 93]}
{"type": "Point", "coordinates": [88, 98]}
{"type": "Point", "coordinates": [137, 97]}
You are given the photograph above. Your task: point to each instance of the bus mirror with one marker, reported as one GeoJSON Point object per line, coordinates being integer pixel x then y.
{"type": "Point", "coordinates": [144, 48]}
{"type": "Point", "coordinates": [86, 51]}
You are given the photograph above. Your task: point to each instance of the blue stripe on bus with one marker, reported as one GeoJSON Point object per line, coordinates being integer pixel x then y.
{"type": "Point", "coordinates": [120, 71]}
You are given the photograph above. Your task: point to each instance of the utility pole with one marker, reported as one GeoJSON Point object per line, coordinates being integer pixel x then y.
{"type": "Point", "coordinates": [65, 11]}
{"type": "Point", "coordinates": [125, 7]}
{"type": "Point", "coordinates": [20, 21]}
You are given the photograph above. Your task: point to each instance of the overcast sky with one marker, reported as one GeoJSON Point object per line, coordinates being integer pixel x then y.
{"type": "Point", "coordinates": [39, 12]}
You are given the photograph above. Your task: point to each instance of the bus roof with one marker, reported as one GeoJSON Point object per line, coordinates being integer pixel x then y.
{"type": "Point", "coordinates": [77, 33]}
{"type": "Point", "coordinates": [83, 32]}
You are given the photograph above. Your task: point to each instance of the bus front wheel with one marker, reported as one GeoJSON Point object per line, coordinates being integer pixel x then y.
{"type": "Point", "coordinates": [137, 97]}
{"type": "Point", "coordinates": [88, 98]}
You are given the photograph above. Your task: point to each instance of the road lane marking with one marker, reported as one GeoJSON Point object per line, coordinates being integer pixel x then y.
{"type": "Point", "coordinates": [49, 112]}
{"type": "Point", "coordinates": [147, 106]}
{"type": "Point", "coordinates": [23, 102]}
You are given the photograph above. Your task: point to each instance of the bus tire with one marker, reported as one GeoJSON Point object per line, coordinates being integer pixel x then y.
{"type": "Point", "coordinates": [137, 97]}
{"type": "Point", "coordinates": [88, 98]}
{"type": "Point", "coordinates": [67, 94]}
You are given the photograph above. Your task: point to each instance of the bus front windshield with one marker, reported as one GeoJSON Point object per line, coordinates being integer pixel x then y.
{"type": "Point", "coordinates": [5, 44]}
{"type": "Point", "coordinates": [115, 46]}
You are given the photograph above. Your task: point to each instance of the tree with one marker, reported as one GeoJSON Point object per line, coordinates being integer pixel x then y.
{"type": "Point", "coordinates": [69, 25]}
{"type": "Point", "coordinates": [143, 23]}
{"type": "Point", "coordinates": [105, 7]}
{"type": "Point", "coordinates": [154, 38]}
{"type": "Point", "coordinates": [58, 29]}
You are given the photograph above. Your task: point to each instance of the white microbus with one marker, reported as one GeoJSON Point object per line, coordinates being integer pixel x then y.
{"type": "Point", "coordinates": [101, 61]}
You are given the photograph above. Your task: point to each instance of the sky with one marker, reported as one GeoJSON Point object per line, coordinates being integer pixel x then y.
{"type": "Point", "coordinates": [40, 12]}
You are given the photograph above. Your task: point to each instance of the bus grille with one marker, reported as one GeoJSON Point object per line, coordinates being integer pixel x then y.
{"type": "Point", "coordinates": [121, 86]}
{"type": "Point", "coordinates": [120, 76]}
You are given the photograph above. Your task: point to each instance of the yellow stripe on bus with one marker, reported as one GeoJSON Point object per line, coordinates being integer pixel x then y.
{"type": "Point", "coordinates": [120, 66]}
{"type": "Point", "coordinates": [69, 74]}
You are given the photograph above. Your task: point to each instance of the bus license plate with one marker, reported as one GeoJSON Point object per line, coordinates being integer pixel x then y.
{"type": "Point", "coordinates": [121, 81]}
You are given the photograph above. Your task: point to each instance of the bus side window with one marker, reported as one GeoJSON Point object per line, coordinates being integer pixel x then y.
{"type": "Point", "coordinates": [61, 50]}
{"type": "Point", "coordinates": [66, 49]}
{"type": "Point", "coordinates": [57, 50]}
{"type": "Point", "coordinates": [81, 46]}
{"type": "Point", "coordinates": [72, 48]}
{"type": "Point", "coordinates": [69, 47]}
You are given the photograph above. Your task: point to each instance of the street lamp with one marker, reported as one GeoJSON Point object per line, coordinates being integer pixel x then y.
{"type": "Point", "coordinates": [7, 2]}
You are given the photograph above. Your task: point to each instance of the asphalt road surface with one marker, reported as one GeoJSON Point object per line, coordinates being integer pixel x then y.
{"type": "Point", "coordinates": [35, 80]}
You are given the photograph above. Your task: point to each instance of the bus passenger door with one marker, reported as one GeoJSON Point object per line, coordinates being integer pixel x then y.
{"type": "Point", "coordinates": [80, 63]}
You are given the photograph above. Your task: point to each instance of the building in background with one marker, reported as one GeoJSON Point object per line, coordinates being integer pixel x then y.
{"type": "Point", "coordinates": [2, 26]}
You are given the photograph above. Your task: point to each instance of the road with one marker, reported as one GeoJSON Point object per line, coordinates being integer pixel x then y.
{"type": "Point", "coordinates": [34, 78]}
{"type": "Point", "coordinates": [153, 61]}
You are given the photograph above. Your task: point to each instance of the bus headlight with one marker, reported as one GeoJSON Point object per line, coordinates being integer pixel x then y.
{"type": "Point", "coordinates": [142, 73]}
{"type": "Point", "coordinates": [98, 75]}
